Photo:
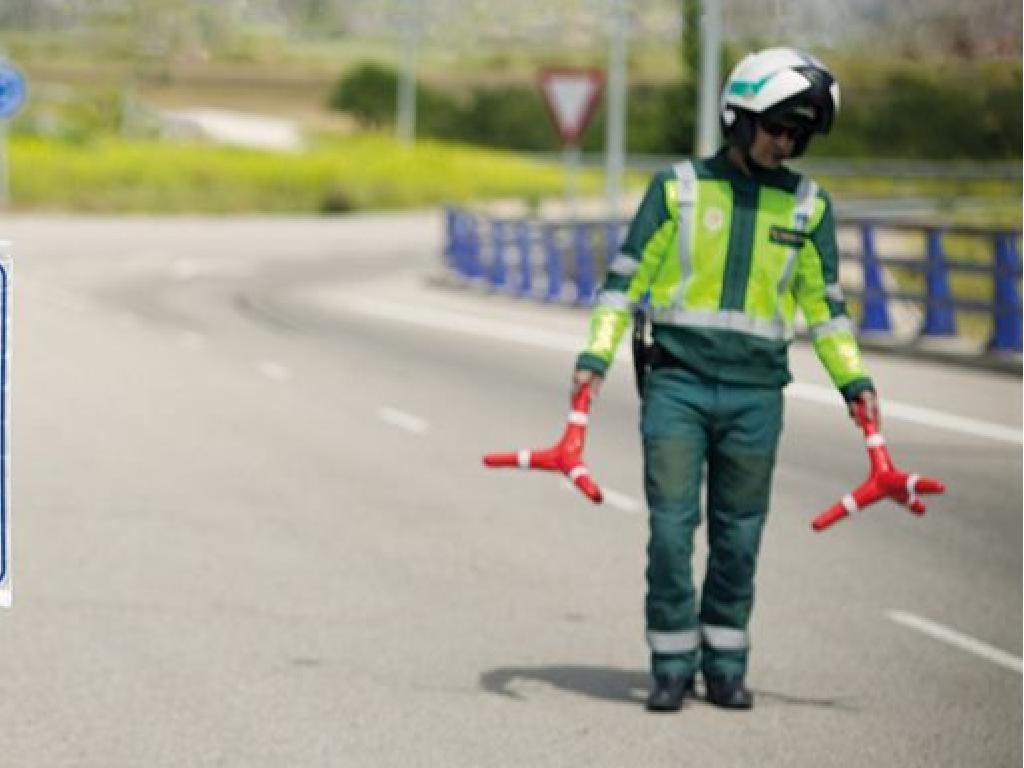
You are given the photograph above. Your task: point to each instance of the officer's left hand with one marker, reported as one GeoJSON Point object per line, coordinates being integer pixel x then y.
{"type": "Point", "coordinates": [869, 401]}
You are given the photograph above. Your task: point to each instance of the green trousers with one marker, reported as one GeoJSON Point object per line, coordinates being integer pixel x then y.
{"type": "Point", "coordinates": [691, 425]}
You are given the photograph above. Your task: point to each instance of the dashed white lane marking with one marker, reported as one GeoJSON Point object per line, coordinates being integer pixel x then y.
{"type": "Point", "coordinates": [403, 420]}
{"type": "Point", "coordinates": [472, 325]}
{"type": "Point", "coordinates": [274, 371]}
{"type": "Point", "coordinates": [612, 498]}
{"type": "Point", "coordinates": [961, 641]}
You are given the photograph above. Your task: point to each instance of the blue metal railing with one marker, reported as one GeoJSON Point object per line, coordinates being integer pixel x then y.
{"type": "Point", "coordinates": [565, 261]}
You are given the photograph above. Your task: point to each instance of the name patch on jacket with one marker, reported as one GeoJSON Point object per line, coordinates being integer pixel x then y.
{"type": "Point", "coordinates": [791, 237]}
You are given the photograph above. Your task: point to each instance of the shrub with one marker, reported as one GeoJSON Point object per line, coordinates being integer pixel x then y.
{"type": "Point", "coordinates": [914, 111]}
{"type": "Point", "coordinates": [368, 93]}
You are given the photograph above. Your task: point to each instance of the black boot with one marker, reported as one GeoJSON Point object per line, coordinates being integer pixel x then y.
{"type": "Point", "coordinates": [728, 693]}
{"type": "Point", "coordinates": [668, 693]}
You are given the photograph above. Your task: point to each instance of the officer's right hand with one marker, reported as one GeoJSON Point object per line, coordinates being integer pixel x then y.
{"type": "Point", "coordinates": [582, 376]}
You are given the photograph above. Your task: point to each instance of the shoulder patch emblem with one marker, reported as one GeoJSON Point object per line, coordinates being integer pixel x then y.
{"type": "Point", "coordinates": [713, 219]}
{"type": "Point", "coordinates": [790, 237]}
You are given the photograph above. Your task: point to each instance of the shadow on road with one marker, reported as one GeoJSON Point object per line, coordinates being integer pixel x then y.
{"type": "Point", "coordinates": [595, 682]}
{"type": "Point", "coordinates": [618, 685]}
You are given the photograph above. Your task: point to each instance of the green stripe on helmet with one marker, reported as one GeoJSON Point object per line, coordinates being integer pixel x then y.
{"type": "Point", "coordinates": [748, 87]}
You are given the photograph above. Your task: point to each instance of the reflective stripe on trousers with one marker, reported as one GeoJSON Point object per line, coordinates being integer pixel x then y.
{"type": "Point", "coordinates": [683, 641]}
{"type": "Point", "coordinates": [724, 638]}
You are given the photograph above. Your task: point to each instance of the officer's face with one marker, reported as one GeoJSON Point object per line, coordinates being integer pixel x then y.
{"type": "Point", "coordinates": [774, 142]}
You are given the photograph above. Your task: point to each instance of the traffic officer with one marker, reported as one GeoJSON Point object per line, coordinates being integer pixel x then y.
{"type": "Point", "coordinates": [724, 249]}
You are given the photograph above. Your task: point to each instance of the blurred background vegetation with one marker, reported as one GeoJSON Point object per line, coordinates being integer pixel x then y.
{"type": "Point", "coordinates": [930, 80]}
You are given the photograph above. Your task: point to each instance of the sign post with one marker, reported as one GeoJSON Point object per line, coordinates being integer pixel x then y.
{"type": "Point", "coordinates": [6, 591]}
{"type": "Point", "coordinates": [571, 95]}
{"type": "Point", "coordinates": [12, 96]}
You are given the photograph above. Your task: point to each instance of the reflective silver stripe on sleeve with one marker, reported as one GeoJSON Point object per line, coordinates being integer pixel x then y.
{"type": "Point", "coordinates": [849, 504]}
{"type": "Point", "coordinates": [724, 638]}
{"type": "Point", "coordinates": [875, 441]}
{"type": "Point", "coordinates": [614, 300]}
{"type": "Point", "coordinates": [673, 642]}
{"type": "Point", "coordinates": [624, 264]}
{"type": "Point", "coordinates": [727, 320]}
{"type": "Point", "coordinates": [912, 484]}
{"type": "Point", "coordinates": [523, 457]}
{"type": "Point", "coordinates": [687, 184]}
{"type": "Point", "coordinates": [836, 325]}
{"type": "Point", "coordinates": [834, 291]}
{"type": "Point", "coordinates": [806, 194]}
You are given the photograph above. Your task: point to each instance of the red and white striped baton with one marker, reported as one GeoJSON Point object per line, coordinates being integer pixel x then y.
{"type": "Point", "coordinates": [565, 456]}
{"type": "Point", "coordinates": [885, 480]}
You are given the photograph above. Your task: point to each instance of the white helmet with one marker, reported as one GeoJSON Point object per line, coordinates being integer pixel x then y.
{"type": "Point", "coordinates": [778, 82]}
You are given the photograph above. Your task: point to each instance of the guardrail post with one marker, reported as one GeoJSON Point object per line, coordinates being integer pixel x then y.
{"type": "Point", "coordinates": [1006, 333]}
{"type": "Point", "coordinates": [585, 282]}
{"type": "Point", "coordinates": [553, 264]}
{"type": "Point", "coordinates": [460, 242]}
{"type": "Point", "coordinates": [499, 275]}
{"type": "Point", "coordinates": [525, 260]}
{"type": "Point", "coordinates": [940, 317]}
{"type": "Point", "coordinates": [448, 238]}
{"type": "Point", "coordinates": [875, 301]}
{"type": "Point", "coordinates": [474, 260]}
{"type": "Point", "coordinates": [611, 242]}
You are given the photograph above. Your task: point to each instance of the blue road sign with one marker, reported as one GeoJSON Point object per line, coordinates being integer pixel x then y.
{"type": "Point", "coordinates": [12, 90]}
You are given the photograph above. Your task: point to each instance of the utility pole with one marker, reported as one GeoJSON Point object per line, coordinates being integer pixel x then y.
{"type": "Point", "coordinates": [615, 128]}
{"type": "Point", "coordinates": [405, 117]}
{"type": "Point", "coordinates": [710, 78]}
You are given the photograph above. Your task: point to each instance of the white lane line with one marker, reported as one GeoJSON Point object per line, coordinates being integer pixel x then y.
{"type": "Point", "coordinates": [403, 420]}
{"type": "Point", "coordinates": [612, 498]}
{"type": "Point", "coordinates": [472, 325]}
{"type": "Point", "coordinates": [621, 501]}
{"type": "Point", "coordinates": [892, 409]}
{"type": "Point", "coordinates": [951, 636]}
{"type": "Point", "coordinates": [274, 371]}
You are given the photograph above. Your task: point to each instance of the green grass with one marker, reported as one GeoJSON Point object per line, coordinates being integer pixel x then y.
{"type": "Point", "coordinates": [111, 175]}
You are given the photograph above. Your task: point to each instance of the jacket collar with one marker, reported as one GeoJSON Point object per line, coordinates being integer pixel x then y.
{"type": "Point", "coordinates": [720, 165]}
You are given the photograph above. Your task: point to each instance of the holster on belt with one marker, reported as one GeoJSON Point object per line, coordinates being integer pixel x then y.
{"type": "Point", "coordinates": [643, 348]}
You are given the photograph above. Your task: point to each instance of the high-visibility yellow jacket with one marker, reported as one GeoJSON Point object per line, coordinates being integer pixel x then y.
{"type": "Point", "coordinates": [724, 260]}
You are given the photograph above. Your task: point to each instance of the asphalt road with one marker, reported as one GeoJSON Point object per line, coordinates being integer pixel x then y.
{"type": "Point", "coordinates": [251, 528]}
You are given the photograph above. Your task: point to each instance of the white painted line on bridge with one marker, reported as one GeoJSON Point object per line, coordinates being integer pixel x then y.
{"type": "Point", "coordinates": [403, 420]}
{"type": "Point", "coordinates": [275, 371]}
{"type": "Point", "coordinates": [957, 639]}
{"type": "Point", "coordinates": [473, 325]}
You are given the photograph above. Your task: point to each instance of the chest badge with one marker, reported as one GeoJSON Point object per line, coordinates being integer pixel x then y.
{"type": "Point", "coordinates": [713, 219]}
{"type": "Point", "coordinates": [793, 238]}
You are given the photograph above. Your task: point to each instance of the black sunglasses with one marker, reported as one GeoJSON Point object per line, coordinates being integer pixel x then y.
{"type": "Point", "coordinates": [776, 129]}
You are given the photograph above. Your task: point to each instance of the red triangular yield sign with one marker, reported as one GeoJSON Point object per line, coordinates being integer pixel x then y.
{"type": "Point", "coordinates": [571, 95]}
